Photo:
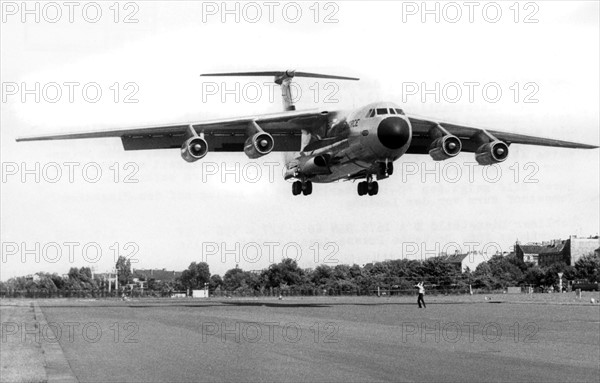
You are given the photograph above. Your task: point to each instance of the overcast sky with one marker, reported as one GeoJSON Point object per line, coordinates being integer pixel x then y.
{"type": "Point", "coordinates": [547, 73]}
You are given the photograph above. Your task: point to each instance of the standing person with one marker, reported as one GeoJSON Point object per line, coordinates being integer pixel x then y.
{"type": "Point", "coordinates": [421, 293]}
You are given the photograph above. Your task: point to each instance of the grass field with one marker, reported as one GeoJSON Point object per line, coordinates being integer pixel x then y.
{"type": "Point", "coordinates": [551, 337]}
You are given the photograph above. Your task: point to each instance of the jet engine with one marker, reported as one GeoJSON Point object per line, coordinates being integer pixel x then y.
{"type": "Point", "coordinates": [445, 147]}
{"type": "Point", "coordinates": [194, 149]}
{"type": "Point", "coordinates": [258, 145]}
{"type": "Point", "coordinates": [491, 153]}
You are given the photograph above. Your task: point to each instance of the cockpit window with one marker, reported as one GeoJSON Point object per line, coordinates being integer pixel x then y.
{"type": "Point", "coordinates": [371, 113]}
{"type": "Point", "coordinates": [400, 111]}
{"type": "Point", "coordinates": [381, 111]}
{"type": "Point", "coordinates": [392, 111]}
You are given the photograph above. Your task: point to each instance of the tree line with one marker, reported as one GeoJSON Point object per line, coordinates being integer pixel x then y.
{"type": "Point", "coordinates": [392, 276]}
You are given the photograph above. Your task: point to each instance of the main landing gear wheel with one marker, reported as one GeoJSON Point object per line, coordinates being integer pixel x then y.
{"type": "Point", "coordinates": [307, 188]}
{"type": "Point", "coordinates": [373, 188]}
{"type": "Point", "coordinates": [370, 188]}
{"type": "Point", "coordinates": [363, 188]}
{"type": "Point", "coordinates": [297, 188]}
{"type": "Point", "coordinates": [300, 187]}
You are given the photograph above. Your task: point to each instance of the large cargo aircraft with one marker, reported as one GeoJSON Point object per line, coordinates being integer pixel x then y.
{"type": "Point", "coordinates": [358, 145]}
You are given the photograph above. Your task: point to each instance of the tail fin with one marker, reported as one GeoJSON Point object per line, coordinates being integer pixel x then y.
{"type": "Point", "coordinates": [283, 79]}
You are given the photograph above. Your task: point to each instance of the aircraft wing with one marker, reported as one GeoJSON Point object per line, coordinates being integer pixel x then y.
{"type": "Point", "coordinates": [471, 137]}
{"type": "Point", "coordinates": [224, 135]}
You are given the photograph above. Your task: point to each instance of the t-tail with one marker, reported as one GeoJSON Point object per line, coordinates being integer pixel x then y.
{"type": "Point", "coordinates": [283, 79]}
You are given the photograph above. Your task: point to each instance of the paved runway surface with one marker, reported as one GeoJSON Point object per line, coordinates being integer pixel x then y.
{"type": "Point", "coordinates": [326, 340]}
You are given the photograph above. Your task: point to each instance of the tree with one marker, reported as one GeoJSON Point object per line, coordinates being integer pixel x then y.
{"type": "Point", "coordinates": [341, 272]}
{"type": "Point", "coordinates": [215, 282]}
{"type": "Point", "coordinates": [234, 279]}
{"type": "Point", "coordinates": [505, 271]}
{"type": "Point", "coordinates": [85, 274]}
{"type": "Point", "coordinates": [355, 271]}
{"type": "Point", "coordinates": [123, 270]}
{"type": "Point", "coordinates": [58, 281]}
{"type": "Point", "coordinates": [195, 276]}
{"type": "Point", "coordinates": [74, 274]}
{"type": "Point", "coordinates": [588, 267]}
{"type": "Point", "coordinates": [436, 270]}
{"type": "Point", "coordinates": [321, 275]}
{"type": "Point", "coordinates": [534, 276]}
{"type": "Point", "coordinates": [285, 272]}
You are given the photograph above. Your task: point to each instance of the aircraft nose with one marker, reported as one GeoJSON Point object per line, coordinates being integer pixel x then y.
{"type": "Point", "coordinates": [393, 132]}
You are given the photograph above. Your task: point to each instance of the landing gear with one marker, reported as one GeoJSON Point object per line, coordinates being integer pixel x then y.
{"type": "Point", "coordinates": [297, 188]}
{"type": "Point", "coordinates": [386, 168]}
{"type": "Point", "coordinates": [369, 187]}
{"type": "Point", "coordinates": [300, 187]}
{"type": "Point", "coordinates": [373, 188]}
{"type": "Point", "coordinates": [307, 188]}
{"type": "Point", "coordinates": [363, 188]}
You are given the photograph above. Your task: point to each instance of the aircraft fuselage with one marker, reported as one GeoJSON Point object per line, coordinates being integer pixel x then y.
{"type": "Point", "coordinates": [360, 140]}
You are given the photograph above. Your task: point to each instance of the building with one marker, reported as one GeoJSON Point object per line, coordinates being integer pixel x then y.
{"type": "Point", "coordinates": [33, 277]}
{"type": "Point", "coordinates": [469, 260]}
{"type": "Point", "coordinates": [159, 275]}
{"type": "Point", "coordinates": [555, 251]}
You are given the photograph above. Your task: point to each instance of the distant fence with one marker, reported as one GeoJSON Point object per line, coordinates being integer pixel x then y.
{"type": "Point", "coordinates": [267, 292]}
{"type": "Point", "coordinates": [81, 294]}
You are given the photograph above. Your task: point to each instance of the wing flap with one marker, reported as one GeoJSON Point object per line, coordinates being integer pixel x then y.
{"type": "Point", "coordinates": [221, 135]}
{"type": "Point", "coordinates": [217, 143]}
{"type": "Point", "coordinates": [470, 137]}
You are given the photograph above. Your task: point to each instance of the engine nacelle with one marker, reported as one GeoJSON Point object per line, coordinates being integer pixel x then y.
{"type": "Point", "coordinates": [316, 165]}
{"type": "Point", "coordinates": [259, 145]}
{"type": "Point", "coordinates": [445, 147]}
{"type": "Point", "coordinates": [194, 149]}
{"type": "Point", "coordinates": [491, 153]}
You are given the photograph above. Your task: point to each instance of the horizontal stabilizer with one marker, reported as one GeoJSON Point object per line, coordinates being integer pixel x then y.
{"type": "Point", "coordinates": [282, 78]}
{"type": "Point", "coordinates": [280, 74]}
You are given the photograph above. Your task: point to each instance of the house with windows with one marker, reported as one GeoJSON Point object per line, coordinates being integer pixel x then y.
{"type": "Point", "coordinates": [469, 260]}
{"type": "Point", "coordinates": [159, 275]}
{"type": "Point", "coordinates": [554, 251]}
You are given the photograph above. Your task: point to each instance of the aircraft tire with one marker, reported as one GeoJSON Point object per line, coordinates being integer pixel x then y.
{"type": "Point", "coordinates": [307, 188]}
{"type": "Point", "coordinates": [373, 188]}
{"type": "Point", "coordinates": [362, 188]}
{"type": "Point", "coordinates": [297, 188]}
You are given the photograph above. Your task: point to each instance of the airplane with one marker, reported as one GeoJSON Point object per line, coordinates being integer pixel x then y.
{"type": "Point", "coordinates": [324, 146]}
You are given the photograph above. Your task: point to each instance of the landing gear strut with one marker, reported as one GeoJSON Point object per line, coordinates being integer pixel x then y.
{"type": "Point", "coordinates": [386, 168]}
{"type": "Point", "coordinates": [369, 187]}
{"type": "Point", "coordinates": [300, 187]}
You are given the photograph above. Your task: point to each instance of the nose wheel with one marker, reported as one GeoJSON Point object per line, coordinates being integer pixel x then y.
{"type": "Point", "coordinates": [300, 187]}
{"type": "Point", "coordinates": [368, 187]}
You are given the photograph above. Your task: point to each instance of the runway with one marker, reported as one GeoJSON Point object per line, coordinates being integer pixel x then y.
{"type": "Point", "coordinates": [325, 340]}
